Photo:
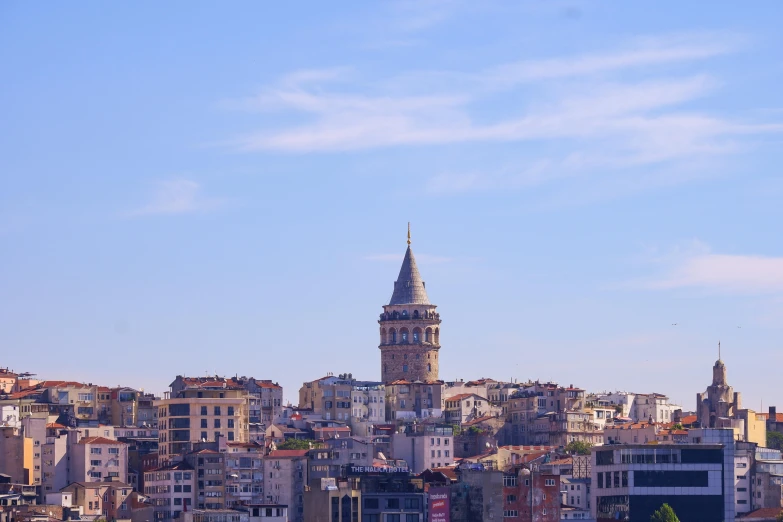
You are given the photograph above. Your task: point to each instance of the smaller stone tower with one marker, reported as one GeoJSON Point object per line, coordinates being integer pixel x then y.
{"type": "Point", "coordinates": [409, 328]}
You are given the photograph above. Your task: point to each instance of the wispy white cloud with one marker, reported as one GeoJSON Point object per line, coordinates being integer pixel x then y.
{"type": "Point", "coordinates": [426, 258]}
{"type": "Point", "coordinates": [696, 266]}
{"type": "Point", "coordinates": [595, 105]}
{"type": "Point", "coordinates": [179, 196]}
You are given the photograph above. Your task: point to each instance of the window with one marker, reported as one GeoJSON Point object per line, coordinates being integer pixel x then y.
{"type": "Point", "coordinates": [405, 367]}
{"type": "Point", "coordinates": [509, 481]}
{"type": "Point", "coordinates": [114, 451]}
{"type": "Point", "coordinates": [392, 503]}
{"type": "Point", "coordinates": [203, 423]}
{"type": "Point", "coordinates": [412, 503]}
{"type": "Point", "coordinates": [393, 518]}
{"type": "Point", "coordinates": [95, 463]}
{"type": "Point", "coordinates": [370, 503]}
{"type": "Point", "coordinates": [95, 451]}
{"type": "Point", "coordinates": [510, 513]}
{"type": "Point", "coordinates": [231, 411]}
{"type": "Point", "coordinates": [549, 482]}
{"type": "Point", "coordinates": [204, 410]}
{"type": "Point", "coordinates": [412, 517]}
{"type": "Point", "coordinates": [217, 423]}
{"type": "Point", "coordinates": [230, 435]}
{"type": "Point", "coordinates": [230, 423]}
{"type": "Point", "coordinates": [511, 498]}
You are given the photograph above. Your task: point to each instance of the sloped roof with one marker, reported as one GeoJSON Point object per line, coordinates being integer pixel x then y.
{"type": "Point", "coordinates": [409, 288]}
{"type": "Point", "coordinates": [99, 440]}
{"type": "Point", "coordinates": [288, 453]}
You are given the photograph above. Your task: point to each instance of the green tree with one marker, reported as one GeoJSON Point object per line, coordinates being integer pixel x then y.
{"type": "Point", "coordinates": [678, 426]}
{"type": "Point", "coordinates": [296, 444]}
{"type": "Point", "coordinates": [775, 440]}
{"type": "Point", "coordinates": [665, 514]}
{"type": "Point", "coordinates": [779, 518]}
{"type": "Point", "coordinates": [578, 447]}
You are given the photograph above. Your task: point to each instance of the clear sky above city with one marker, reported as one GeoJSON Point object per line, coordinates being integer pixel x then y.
{"type": "Point", "coordinates": [594, 189]}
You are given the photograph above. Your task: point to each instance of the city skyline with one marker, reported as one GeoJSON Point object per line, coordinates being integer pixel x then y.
{"type": "Point", "coordinates": [592, 191]}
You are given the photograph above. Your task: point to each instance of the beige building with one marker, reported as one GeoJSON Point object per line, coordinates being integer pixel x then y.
{"type": "Point", "coordinates": [244, 473]}
{"type": "Point", "coordinates": [409, 328]}
{"type": "Point", "coordinates": [343, 398]}
{"type": "Point", "coordinates": [17, 455]}
{"type": "Point", "coordinates": [101, 500]}
{"type": "Point", "coordinates": [200, 409]}
{"type": "Point", "coordinates": [467, 407]}
{"type": "Point", "coordinates": [8, 380]}
{"type": "Point", "coordinates": [285, 476]}
{"type": "Point", "coordinates": [98, 459]}
{"type": "Point", "coordinates": [410, 400]}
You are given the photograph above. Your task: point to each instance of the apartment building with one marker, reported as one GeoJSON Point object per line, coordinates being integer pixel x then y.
{"type": "Point", "coordinates": [210, 470]}
{"type": "Point", "coordinates": [244, 473]}
{"type": "Point", "coordinates": [98, 459]}
{"type": "Point", "coordinates": [466, 407]}
{"type": "Point", "coordinates": [424, 446]}
{"type": "Point", "coordinates": [529, 495]}
{"type": "Point", "coordinates": [172, 490]}
{"type": "Point", "coordinates": [412, 400]}
{"type": "Point", "coordinates": [106, 500]}
{"type": "Point", "coordinates": [285, 477]}
{"type": "Point", "coordinates": [200, 410]}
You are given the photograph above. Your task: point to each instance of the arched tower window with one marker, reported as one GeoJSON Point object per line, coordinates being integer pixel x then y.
{"type": "Point", "coordinates": [403, 335]}
{"type": "Point", "coordinates": [383, 335]}
{"type": "Point", "coordinates": [404, 314]}
{"type": "Point", "coordinates": [429, 367]}
{"type": "Point", "coordinates": [437, 335]}
{"type": "Point", "coordinates": [405, 368]}
{"type": "Point", "coordinates": [428, 335]}
{"type": "Point", "coordinates": [395, 314]}
{"type": "Point", "coordinates": [415, 314]}
{"type": "Point", "coordinates": [393, 335]}
{"type": "Point", "coordinates": [417, 335]}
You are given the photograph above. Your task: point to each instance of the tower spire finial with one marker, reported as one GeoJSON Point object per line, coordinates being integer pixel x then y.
{"type": "Point", "coordinates": [409, 232]}
{"type": "Point", "coordinates": [719, 350]}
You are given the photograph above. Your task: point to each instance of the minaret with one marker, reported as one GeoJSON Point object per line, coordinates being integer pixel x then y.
{"type": "Point", "coordinates": [410, 328]}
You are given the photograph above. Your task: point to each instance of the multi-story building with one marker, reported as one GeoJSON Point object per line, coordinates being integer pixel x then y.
{"type": "Point", "coordinates": [17, 451]}
{"type": "Point", "coordinates": [201, 410]}
{"type": "Point", "coordinates": [409, 328]}
{"type": "Point", "coordinates": [210, 468]}
{"type": "Point", "coordinates": [697, 479]}
{"type": "Point", "coordinates": [766, 480]}
{"type": "Point", "coordinates": [97, 459]}
{"type": "Point", "coordinates": [172, 490]}
{"type": "Point", "coordinates": [424, 446]}
{"type": "Point", "coordinates": [413, 399]}
{"type": "Point", "coordinates": [55, 458]}
{"type": "Point", "coordinates": [106, 500]}
{"type": "Point", "coordinates": [465, 407]}
{"type": "Point", "coordinates": [8, 380]}
{"type": "Point", "coordinates": [285, 477]}
{"type": "Point", "coordinates": [531, 496]}
{"type": "Point", "coordinates": [244, 473]}
{"type": "Point", "coordinates": [367, 494]}
{"type": "Point", "coordinates": [368, 406]}
{"type": "Point", "coordinates": [559, 429]}
{"type": "Point", "coordinates": [267, 513]}
{"type": "Point", "coordinates": [637, 407]}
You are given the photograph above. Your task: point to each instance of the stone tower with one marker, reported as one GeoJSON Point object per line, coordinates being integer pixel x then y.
{"type": "Point", "coordinates": [410, 328]}
{"type": "Point", "coordinates": [719, 401]}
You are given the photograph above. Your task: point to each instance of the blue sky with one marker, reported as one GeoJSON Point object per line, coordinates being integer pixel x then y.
{"type": "Point", "coordinates": [190, 187]}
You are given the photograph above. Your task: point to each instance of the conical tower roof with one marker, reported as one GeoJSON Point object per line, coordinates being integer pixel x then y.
{"type": "Point", "coordinates": [409, 288]}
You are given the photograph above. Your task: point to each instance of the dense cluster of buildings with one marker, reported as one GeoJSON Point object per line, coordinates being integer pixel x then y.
{"type": "Point", "coordinates": [407, 447]}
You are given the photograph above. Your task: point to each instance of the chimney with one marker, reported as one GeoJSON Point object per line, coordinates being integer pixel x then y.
{"type": "Point", "coordinates": [773, 413]}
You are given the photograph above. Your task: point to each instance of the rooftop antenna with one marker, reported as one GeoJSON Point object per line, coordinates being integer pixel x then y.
{"type": "Point", "coordinates": [719, 350]}
{"type": "Point", "coordinates": [409, 232]}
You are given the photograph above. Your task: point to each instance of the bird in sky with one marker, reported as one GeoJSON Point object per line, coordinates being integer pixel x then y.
{"type": "Point", "coordinates": [674, 324]}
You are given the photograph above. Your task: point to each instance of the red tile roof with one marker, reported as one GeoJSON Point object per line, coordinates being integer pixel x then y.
{"type": "Point", "coordinates": [778, 416]}
{"type": "Point", "coordinates": [763, 514]}
{"type": "Point", "coordinates": [100, 440]}
{"type": "Point", "coordinates": [55, 426]}
{"type": "Point", "coordinates": [477, 421]}
{"type": "Point", "coordinates": [288, 453]}
{"type": "Point", "coordinates": [688, 419]}
{"type": "Point", "coordinates": [461, 396]}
